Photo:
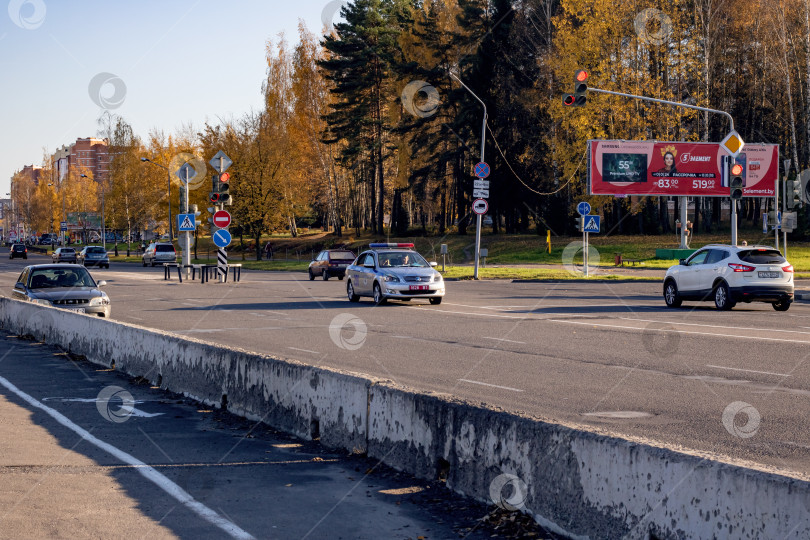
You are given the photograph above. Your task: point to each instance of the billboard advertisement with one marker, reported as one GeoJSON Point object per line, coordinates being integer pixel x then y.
{"type": "Point", "coordinates": [677, 168]}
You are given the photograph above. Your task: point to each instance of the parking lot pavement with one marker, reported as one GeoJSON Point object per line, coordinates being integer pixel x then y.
{"type": "Point", "coordinates": [88, 453]}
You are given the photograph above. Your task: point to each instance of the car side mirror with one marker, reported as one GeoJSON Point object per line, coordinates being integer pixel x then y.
{"type": "Point", "coordinates": [682, 262]}
{"type": "Point", "coordinates": [433, 264]}
{"type": "Point", "coordinates": [19, 285]}
{"type": "Point", "coordinates": [101, 283]}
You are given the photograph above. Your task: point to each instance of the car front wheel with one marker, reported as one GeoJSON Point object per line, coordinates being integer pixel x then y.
{"type": "Point", "coordinates": [325, 275]}
{"type": "Point", "coordinates": [311, 275]}
{"type": "Point", "coordinates": [436, 301]}
{"type": "Point", "coordinates": [782, 305]}
{"type": "Point", "coordinates": [721, 298]}
{"type": "Point", "coordinates": [350, 292]}
{"type": "Point", "coordinates": [379, 299]}
{"type": "Point", "coordinates": [671, 296]}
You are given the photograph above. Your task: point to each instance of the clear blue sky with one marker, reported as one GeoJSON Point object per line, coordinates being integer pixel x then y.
{"type": "Point", "coordinates": [181, 61]}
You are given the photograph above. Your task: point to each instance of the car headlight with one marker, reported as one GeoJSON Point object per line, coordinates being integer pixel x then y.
{"type": "Point", "coordinates": [41, 302]}
{"type": "Point", "coordinates": [437, 277]}
{"type": "Point", "coordinates": [390, 277]}
{"type": "Point", "coordinates": [100, 301]}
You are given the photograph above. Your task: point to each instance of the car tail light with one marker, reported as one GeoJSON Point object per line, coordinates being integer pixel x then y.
{"type": "Point", "coordinates": [740, 267]}
{"type": "Point", "coordinates": [788, 268]}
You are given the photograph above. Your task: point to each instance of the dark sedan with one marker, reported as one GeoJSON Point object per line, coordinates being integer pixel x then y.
{"type": "Point", "coordinates": [64, 286]}
{"type": "Point", "coordinates": [331, 263]}
{"type": "Point", "coordinates": [94, 255]}
{"type": "Point", "coordinates": [18, 250]}
{"type": "Point", "coordinates": [64, 255]}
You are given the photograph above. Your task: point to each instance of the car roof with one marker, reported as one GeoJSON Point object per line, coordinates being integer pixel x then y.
{"type": "Point", "coordinates": [738, 248]}
{"type": "Point", "coordinates": [61, 265]}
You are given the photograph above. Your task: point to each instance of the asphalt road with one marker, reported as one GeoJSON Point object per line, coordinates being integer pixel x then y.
{"type": "Point", "coordinates": [609, 356]}
{"type": "Point", "coordinates": [74, 463]}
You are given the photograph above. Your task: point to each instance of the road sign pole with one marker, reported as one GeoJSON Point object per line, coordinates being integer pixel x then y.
{"type": "Point", "coordinates": [584, 248]}
{"type": "Point", "coordinates": [187, 239]}
{"type": "Point", "coordinates": [684, 204]}
{"type": "Point", "coordinates": [776, 212]}
{"type": "Point", "coordinates": [483, 144]}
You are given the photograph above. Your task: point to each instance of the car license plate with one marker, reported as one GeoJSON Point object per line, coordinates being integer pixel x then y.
{"type": "Point", "coordinates": [419, 287]}
{"type": "Point", "coordinates": [769, 274]}
{"type": "Point", "coordinates": [77, 309]}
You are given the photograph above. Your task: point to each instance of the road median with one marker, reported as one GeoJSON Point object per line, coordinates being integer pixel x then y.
{"type": "Point", "coordinates": [573, 480]}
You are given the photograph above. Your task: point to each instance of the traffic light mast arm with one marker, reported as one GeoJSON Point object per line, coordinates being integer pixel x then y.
{"type": "Point", "coordinates": [656, 100]}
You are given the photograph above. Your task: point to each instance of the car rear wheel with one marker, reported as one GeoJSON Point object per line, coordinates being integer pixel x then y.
{"type": "Point", "coordinates": [379, 299]}
{"type": "Point", "coordinates": [311, 275]}
{"type": "Point", "coordinates": [671, 296]}
{"type": "Point", "coordinates": [325, 275]}
{"type": "Point", "coordinates": [782, 305]}
{"type": "Point", "coordinates": [340, 278]}
{"type": "Point", "coordinates": [144, 263]}
{"type": "Point", "coordinates": [436, 301]}
{"type": "Point", "coordinates": [721, 298]}
{"type": "Point", "coordinates": [350, 292]}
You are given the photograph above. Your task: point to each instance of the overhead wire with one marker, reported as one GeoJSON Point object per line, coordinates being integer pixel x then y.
{"type": "Point", "coordinates": [521, 180]}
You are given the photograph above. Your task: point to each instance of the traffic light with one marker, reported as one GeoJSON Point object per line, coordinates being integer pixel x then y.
{"type": "Point", "coordinates": [580, 221]}
{"type": "Point", "coordinates": [580, 87]}
{"type": "Point", "coordinates": [735, 182]}
{"type": "Point", "coordinates": [793, 193]}
{"type": "Point", "coordinates": [220, 189]}
{"type": "Point", "coordinates": [579, 97]}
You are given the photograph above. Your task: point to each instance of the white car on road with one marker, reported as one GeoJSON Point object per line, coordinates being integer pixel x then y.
{"type": "Point", "coordinates": [730, 274]}
{"type": "Point", "coordinates": [393, 272]}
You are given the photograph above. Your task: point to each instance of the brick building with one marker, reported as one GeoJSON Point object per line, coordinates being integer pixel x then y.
{"type": "Point", "coordinates": [88, 154]}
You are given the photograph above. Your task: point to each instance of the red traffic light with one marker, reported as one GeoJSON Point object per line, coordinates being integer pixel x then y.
{"type": "Point", "coordinates": [214, 197]}
{"type": "Point", "coordinates": [736, 169]}
{"type": "Point", "coordinates": [581, 75]}
{"type": "Point", "coordinates": [225, 177]}
{"type": "Point", "coordinates": [569, 99]}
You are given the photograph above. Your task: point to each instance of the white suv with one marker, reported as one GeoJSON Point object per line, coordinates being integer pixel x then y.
{"type": "Point", "coordinates": [731, 274]}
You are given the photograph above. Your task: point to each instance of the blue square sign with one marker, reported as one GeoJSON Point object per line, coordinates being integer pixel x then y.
{"type": "Point", "coordinates": [186, 222]}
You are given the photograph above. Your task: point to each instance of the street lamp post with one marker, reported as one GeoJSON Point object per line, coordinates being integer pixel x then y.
{"type": "Point", "coordinates": [169, 192]}
{"type": "Point", "coordinates": [483, 144]}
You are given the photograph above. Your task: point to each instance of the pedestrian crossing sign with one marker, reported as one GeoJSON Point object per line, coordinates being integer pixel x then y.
{"type": "Point", "coordinates": [592, 224]}
{"type": "Point", "coordinates": [186, 222]}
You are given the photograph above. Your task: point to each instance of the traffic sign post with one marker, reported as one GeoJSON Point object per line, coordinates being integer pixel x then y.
{"type": "Point", "coordinates": [186, 222]}
{"type": "Point", "coordinates": [480, 206]}
{"type": "Point", "coordinates": [222, 219]}
{"type": "Point", "coordinates": [482, 169]}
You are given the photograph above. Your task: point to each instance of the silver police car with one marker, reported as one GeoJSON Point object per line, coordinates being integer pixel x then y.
{"type": "Point", "coordinates": [393, 272]}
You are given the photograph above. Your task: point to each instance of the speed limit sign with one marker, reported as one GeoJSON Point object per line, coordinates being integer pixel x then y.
{"type": "Point", "coordinates": [480, 206]}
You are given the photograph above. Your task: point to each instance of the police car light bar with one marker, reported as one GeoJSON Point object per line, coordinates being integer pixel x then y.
{"type": "Point", "coordinates": [384, 245]}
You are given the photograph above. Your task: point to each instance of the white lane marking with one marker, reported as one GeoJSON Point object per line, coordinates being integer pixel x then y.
{"type": "Point", "coordinates": [504, 339]}
{"type": "Point", "coordinates": [133, 317]}
{"type": "Point", "coordinates": [148, 472]}
{"type": "Point", "coordinates": [212, 330]}
{"type": "Point", "coordinates": [401, 337]}
{"type": "Point", "coordinates": [492, 385]}
{"type": "Point", "coordinates": [129, 409]}
{"type": "Point", "coordinates": [678, 331]}
{"type": "Point", "coordinates": [748, 370]}
{"type": "Point", "coordinates": [464, 313]}
{"type": "Point", "coordinates": [717, 326]}
{"type": "Point", "coordinates": [303, 350]}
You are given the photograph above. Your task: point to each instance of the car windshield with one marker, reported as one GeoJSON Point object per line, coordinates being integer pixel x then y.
{"type": "Point", "coordinates": [762, 256]}
{"type": "Point", "coordinates": [19, 247]}
{"type": "Point", "coordinates": [49, 278]}
{"type": "Point", "coordinates": [164, 248]}
{"type": "Point", "coordinates": [96, 250]}
{"type": "Point", "coordinates": [402, 259]}
{"type": "Point", "coordinates": [341, 256]}
{"type": "Point", "coordinates": [68, 250]}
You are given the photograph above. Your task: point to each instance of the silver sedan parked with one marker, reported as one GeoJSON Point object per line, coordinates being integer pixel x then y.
{"type": "Point", "coordinates": [66, 286]}
{"type": "Point", "coordinates": [393, 272]}
{"type": "Point", "coordinates": [64, 254]}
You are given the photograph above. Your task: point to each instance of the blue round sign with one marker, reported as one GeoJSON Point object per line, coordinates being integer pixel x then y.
{"type": "Point", "coordinates": [584, 208]}
{"type": "Point", "coordinates": [481, 170]}
{"type": "Point", "coordinates": [222, 238]}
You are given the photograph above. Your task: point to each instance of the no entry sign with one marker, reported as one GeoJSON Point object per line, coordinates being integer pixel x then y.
{"type": "Point", "coordinates": [222, 219]}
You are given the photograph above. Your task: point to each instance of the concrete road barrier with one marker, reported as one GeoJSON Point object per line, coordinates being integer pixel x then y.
{"type": "Point", "coordinates": [573, 481]}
